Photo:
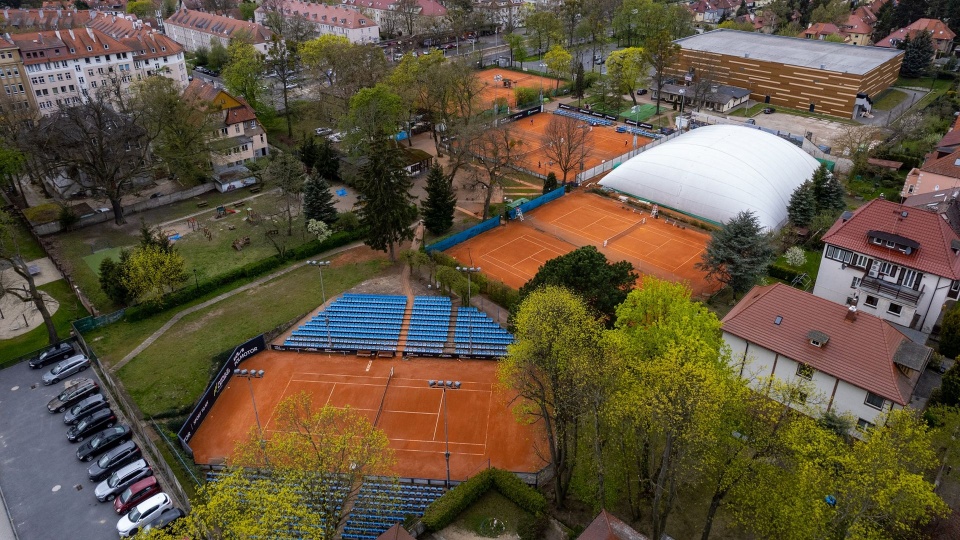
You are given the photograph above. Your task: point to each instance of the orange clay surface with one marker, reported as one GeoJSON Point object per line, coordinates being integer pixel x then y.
{"type": "Point", "coordinates": [482, 425]}
{"type": "Point", "coordinates": [606, 143]}
{"type": "Point", "coordinates": [514, 253]}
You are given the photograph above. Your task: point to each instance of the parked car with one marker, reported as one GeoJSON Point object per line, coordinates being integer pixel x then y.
{"type": "Point", "coordinates": [125, 452]}
{"type": "Point", "coordinates": [66, 368]}
{"type": "Point", "coordinates": [122, 479]}
{"type": "Point", "coordinates": [91, 424]}
{"type": "Point", "coordinates": [85, 407]}
{"type": "Point", "coordinates": [769, 110]}
{"type": "Point", "coordinates": [336, 137]}
{"type": "Point", "coordinates": [750, 121]}
{"type": "Point", "coordinates": [167, 517]}
{"type": "Point", "coordinates": [321, 131]}
{"type": "Point", "coordinates": [136, 494]}
{"type": "Point", "coordinates": [143, 513]}
{"type": "Point", "coordinates": [641, 91]}
{"type": "Point", "coordinates": [51, 354]}
{"type": "Point", "coordinates": [73, 392]}
{"type": "Point", "coordinates": [103, 441]}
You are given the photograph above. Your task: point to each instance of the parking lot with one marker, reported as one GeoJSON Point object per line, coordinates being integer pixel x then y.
{"type": "Point", "coordinates": [45, 486]}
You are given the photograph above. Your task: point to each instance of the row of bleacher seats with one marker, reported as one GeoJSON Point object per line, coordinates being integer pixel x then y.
{"type": "Point", "coordinates": [380, 504]}
{"type": "Point", "coordinates": [638, 131]}
{"type": "Point", "coordinates": [354, 322]}
{"type": "Point", "coordinates": [592, 120]}
{"type": "Point", "coordinates": [477, 335]}
{"type": "Point", "coordinates": [429, 325]}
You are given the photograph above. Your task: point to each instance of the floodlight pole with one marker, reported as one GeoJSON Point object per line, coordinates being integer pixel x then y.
{"type": "Point", "coordinates": [470, 270]}
{"type": "Point", "coordinates": [248, 375]}
{"type": "Point", "coordinates": [446, 432]}
{"type": "Point", "coordinates": [320, 265]}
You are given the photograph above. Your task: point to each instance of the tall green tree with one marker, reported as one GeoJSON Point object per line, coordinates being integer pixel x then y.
{"type": "Point", "coordinates": [738, 253]}
{"type": "Point", "coordinates": [552, 363]}
{"type": "Point", "coordinates": [629, 70]}
{"type": "Point", "coordinates": [112, 280]}
{"type": "Point", "coordinates": [917, 55]}
{"type": "Point", "coordinates": [387, 209]}
{"type": "Point", "coordinates": [318, 201]}
{"type": "Point", "coordinates": [441, 202]}
{"type": "Point", "coordinates": [558, 61]}
{"type": "Point", "coordinates": [588, 273]}
{"type": "Point", "coordinates": [243, 73]}
{"type": "Point", "coordinates": [550, 183]}
{"type": "Point", "coordinates": [660, 52]}
{"type": "Point", "coordinates": [151, 272]}
{"type": "Point", "coordinates": [373, 118]}
{"type": "Point", "coordinates": [19, 282]}
{"type": "Point", "coordinates": [827, 191]}
{"type": "Point", "coordinates": [950, 332]}
{"type": "Point", "coordinates": [803, 205]}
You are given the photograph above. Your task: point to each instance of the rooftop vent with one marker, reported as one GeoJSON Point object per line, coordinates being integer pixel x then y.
{"type": "Point", "coordinates": [852, 313]}
{"type": "Point", "coordinates": [778, 320]}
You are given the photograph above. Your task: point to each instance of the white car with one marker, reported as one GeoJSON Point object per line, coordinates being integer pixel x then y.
{"type": "Point", "coordinates": [336, 137]}
{"type": "Point", "coordinates": [143, 514]}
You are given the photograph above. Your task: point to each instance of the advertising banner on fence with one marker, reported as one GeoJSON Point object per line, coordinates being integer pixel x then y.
{"type": "Point", "coordinates": [213, 391]}
{"type": "Point", "coordinates": [595, 114]}
{"type": "Point", "coordinates": [643, 125]}
{"type": "Point", "coordinates": [520, 115]}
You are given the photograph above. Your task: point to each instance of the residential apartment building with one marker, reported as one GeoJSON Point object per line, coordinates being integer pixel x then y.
{"type": "Point", "coordinates": [898, 263]}
{"type": "Point", "coordinates": [940, 34]}
{"type": "Point", "coordinates": [66, 67]}
{"type": "Point", "coordinates": [240, 137]}
{"type": "Point", "coordinates": [397, 16]}
{"type": "Point", "coordinates": [153, 52]}
{"type": "Point", "coordinates": [13, 77]}
{"type": "Point", "coordinates": [504, 14]}
{"type": "Point", "coordinates": [854, 363]}
{"type": "Point", "coordinates": [713, 11]}
{"type": "Point", "coordinates": [196, 29]}
{"type": "Point", "coordinates": [808, 74]}
{"type": "Point", "coordinates": [342, 20]}
{"type": "Point", "coordinates": [934, 175]}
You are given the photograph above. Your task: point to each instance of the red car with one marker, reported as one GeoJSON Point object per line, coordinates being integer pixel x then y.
{"type": "Point", "coordinates": [136, 494]}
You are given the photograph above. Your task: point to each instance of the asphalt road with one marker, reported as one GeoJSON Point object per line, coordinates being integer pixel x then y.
{"type": "Point", "coordinates": [44, 485]}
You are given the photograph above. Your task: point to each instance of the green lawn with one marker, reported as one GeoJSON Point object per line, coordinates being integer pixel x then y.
{"type": "Point", "coordinates": [94, 259]}
{"type": "Point", "coordinates": [477, 517]}
{"type": "Point", "coordinates": [170, 374]}
{"type": "Point", "coordinates": [70, 309]}
{"type": "Point", "coordinates": [889, 99]}
{"type": "Point", "coordinates": [751, 111]}
{"type": "Point", "coordinates": [811, 267]}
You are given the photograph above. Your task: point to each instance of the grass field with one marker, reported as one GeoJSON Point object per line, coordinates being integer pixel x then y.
{"type": "Point", "coordinates": [94, 259]}
{"type": "Point", "coordinates": [811, 267]}
{"type": "Point", "coordinates": [491, 505]}
{"type": "Point", "coordinates": [641, 113]}
{"type": "Point", "coordinates": [184, 353]}
{"type": "Point", "coordinates": [889, 99]}
{"type": "Point", "coordinates": [70, 309]}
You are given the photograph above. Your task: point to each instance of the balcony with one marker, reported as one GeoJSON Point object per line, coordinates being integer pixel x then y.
{"type": "Point", "coordinates": [891, 291]}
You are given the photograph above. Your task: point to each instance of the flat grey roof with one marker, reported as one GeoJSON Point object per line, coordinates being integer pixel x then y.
{"type": "Point", "coordinates": [808, 53]}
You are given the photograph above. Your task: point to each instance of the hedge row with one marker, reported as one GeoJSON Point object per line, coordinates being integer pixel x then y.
{"type": "Point", "coordinates": [783, 272]}
{"type": "Point", "coordinates": [444, 510]}
{"type": "Point", "coordinates": [252, 270]}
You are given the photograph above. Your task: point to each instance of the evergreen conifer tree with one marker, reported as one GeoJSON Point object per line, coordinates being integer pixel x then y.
{"type": "Point", "coordinates": [318, 201]}
{"type": "Point", "coordinates": [833, 193]}
{"type": "Point", "coordinates": [738, 254]}
{"type": "Point", "coordinates": [803, 206]}
{"type": "Point", "coordinates": [550, 182]}
{"type": "Point", "coordinates": [388, 209]}
{"type": "Point", "coordinates": [917, 55]}
{"type": "Point", "coordinates": [327, 162]}
{"type": "Point", "coordinates": [441, 202]}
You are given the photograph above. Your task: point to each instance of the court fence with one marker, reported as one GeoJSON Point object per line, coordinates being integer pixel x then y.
{"type": "Point", "coordinates": [611, 164]}
{"type": "Point", "coordinates": [539, 201]}
{"type": "Point", "coordinates": [463, 236]}
{"type": "Point", "coordinates": [93, 322]}
{"type": "Point", "coordinates": [144, 437]}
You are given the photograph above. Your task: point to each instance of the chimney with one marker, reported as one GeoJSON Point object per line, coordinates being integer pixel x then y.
{"type": "Point", "coordinates": [852, 313]}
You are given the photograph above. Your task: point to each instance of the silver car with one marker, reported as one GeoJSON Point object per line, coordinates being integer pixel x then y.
{"type": "Point", "coordinates": [66, 368]}
{"type": "Point", "coordinates": [121, 480]}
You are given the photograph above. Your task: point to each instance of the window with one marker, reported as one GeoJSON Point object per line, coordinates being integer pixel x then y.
{"type": "Point", "coordinates": [863, 425]}
{"type": "Point", "coordinates": [954, 289]}
{"type": "Point", "coordinates": [888, 269]}
{"type": "Point", "coordinates": [253, 124]}
{"type": "Point", "coordinates": [871, 301]}
{"type": "Point", "coordinates": [804, 371]}
{"type": "Point", "coordinates": [895, 309]}
{"type": "Point", "coordinates": [838, 254]}
{"type": "Point", "coordinates": [874, 400]}
{"type": "Point", "coordinates": [911, 278]}
{"type": "Point", "coordinates": [860, 261]}
{"type": "Point", "coordinates": [876, 241]}
{"type": "Point", "coordinates": [855, 283]}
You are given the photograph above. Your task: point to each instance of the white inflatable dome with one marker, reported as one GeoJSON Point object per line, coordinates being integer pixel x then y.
{"type": "Point", "coordinates": [714, 172]}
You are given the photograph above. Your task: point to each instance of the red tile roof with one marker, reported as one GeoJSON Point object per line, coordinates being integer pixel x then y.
{"type": "Point", "coordinates": [938, 31]}
{"type": "Point", "coordinates": [206, 92]}
{"type": "Point", "coordinates": [395, 533]}
{"type": "Point", "coordinates": [860, 352]}
{"type": "Point", "coordinates": [339, 16]}
{"type": "Point", "coordinates": [861, 21]}
{"type": "Point", "coordinates": [952, 138]}
{"type": "Point", "coordinates": [933, 233]}
{"type": "Point", "coordinates": [944, 166]}
{"type": "Point", "coordinates": [66, 45]}
{"type": "Point", "coordinates": [821, 29]}
{"type": "Point", "coordinates": [209, 23]}
{"type": "Point", "coordinates": [428, 8]}
{"type": "Point", "coordinates": [607, 526]}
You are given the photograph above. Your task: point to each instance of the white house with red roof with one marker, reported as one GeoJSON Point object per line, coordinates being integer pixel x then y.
{"type": "Point", "coordinates": [239, 135]}
{"type": "Point", "coordinates": [939, 32]}
{"type": "Point", "coordinates": [892, 261]}
{"type": "Point", "coordinates": [342, 20]}
{"type": "Point", "coordinates": [712, 11]}
{"type": "Point", "coordinates": [858, 364]}
{"type": "Point", "coordinates": [195, 29]}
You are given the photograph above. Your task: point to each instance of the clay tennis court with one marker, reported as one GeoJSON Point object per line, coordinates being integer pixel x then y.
{"type": "Point", "coordinates": [482, 426]}
{"type": "Point", "coordinates": [494, 85]}
{"type": "Point", "coordinates": [513, 253]}
{"type": "Point", "coordinates": [604, 144]}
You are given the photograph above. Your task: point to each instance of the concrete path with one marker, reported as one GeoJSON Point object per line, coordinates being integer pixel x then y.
{"type": "Point", "coordinates": [176, 318]}
{"type": "Point", "coordinates": [7, 532]}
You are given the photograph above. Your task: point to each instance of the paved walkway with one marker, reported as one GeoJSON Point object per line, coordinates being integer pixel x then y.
{"type": "Point", "coordinates": [7, 532]}
{"type": "Point", "coordinates": [176, 318]}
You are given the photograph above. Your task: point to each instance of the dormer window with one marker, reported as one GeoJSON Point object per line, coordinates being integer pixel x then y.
{"type": "Point", "coordinates": [89, 48]}
{"type": "Point", "coordinates": [876, 241]}
{"type": "Point", "coordinates": [817, 338]}
{"type": "Point", "coordinates": [105, 46]}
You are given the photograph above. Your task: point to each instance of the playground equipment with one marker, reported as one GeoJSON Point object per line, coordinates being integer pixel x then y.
{"type": "Point", "coordinates": [240, 242]}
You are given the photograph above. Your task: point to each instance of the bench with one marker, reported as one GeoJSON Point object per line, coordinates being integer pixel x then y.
{"type": "Point", "coordinates": [203, 204]}
{"type": "Point", "coordinates": [256, 189]}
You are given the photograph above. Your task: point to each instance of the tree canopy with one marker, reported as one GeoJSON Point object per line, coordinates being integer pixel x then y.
{"type": "Point", "coordinates": [441, 202]}
{"type": "Point", "coordinates": [588, 273]}
{"type": "Point", "coordinates": [738, 253]}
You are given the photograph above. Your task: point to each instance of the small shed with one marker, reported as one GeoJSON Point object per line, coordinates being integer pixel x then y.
{"type": "Point", "coordinates": [232, 178]}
